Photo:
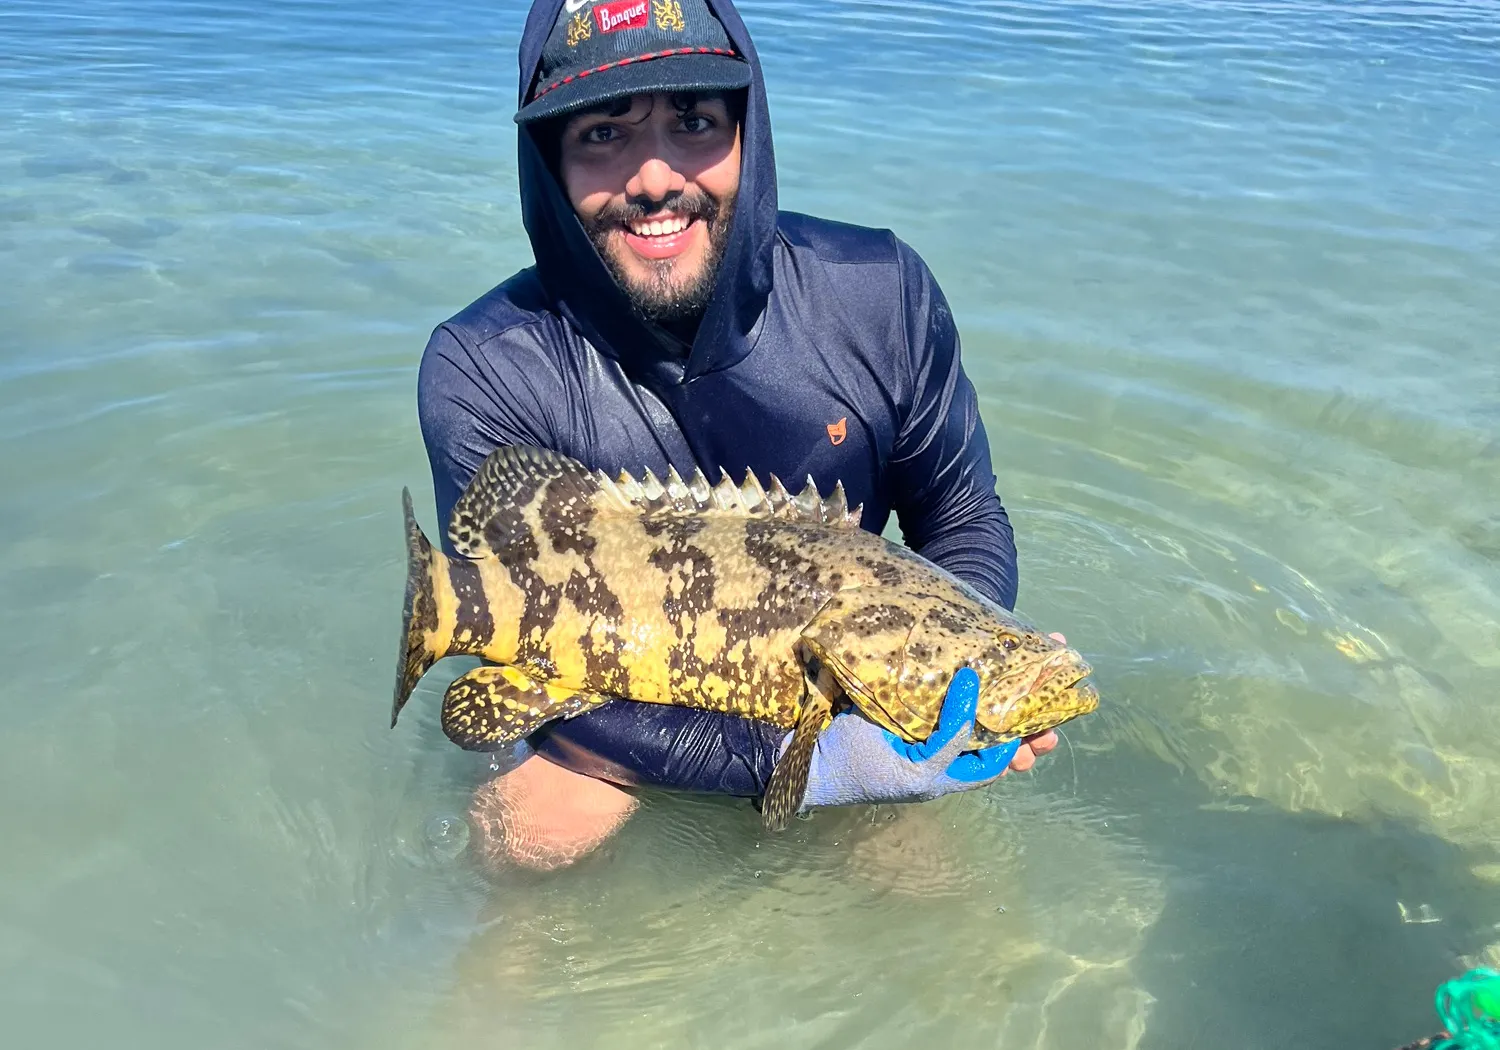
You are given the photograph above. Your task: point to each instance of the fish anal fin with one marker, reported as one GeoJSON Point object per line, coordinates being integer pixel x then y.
{"type": "Point", "coordinates": [492, 706]}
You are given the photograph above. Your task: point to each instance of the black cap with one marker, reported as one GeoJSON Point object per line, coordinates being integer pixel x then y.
{"type": "Point", "coordinates": [603, 49]}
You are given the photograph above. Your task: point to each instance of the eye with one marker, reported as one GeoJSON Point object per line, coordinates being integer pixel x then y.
{"type": "Point", "coordinates": [1010, 642]}
{"type": "Point", "coordinates": [697, 123]}
{"type": "Point", "coordinates": [598, 134]}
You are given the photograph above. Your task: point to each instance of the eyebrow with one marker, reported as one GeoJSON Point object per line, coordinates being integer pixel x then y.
{"type": "Point", "coordinates": [614, 107]}
{"type": "Point", "coordinates": [681, 100]}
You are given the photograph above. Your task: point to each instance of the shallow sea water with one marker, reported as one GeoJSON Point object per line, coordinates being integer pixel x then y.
{"type": "Point", "coordinates": [1228, 281]}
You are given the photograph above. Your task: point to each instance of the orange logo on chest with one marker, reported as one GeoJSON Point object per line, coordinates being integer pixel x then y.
{"type": "Point", "coordinates": [838, 431]}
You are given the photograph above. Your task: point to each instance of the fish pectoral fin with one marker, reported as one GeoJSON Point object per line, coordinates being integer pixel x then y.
{"type": "Point", "coordinates": [490, 707]}
{"type": "Point", "coordinates": [789, 778]}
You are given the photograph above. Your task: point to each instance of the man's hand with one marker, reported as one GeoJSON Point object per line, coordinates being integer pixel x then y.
{"type": "Point", "coordinates": [857, 762]}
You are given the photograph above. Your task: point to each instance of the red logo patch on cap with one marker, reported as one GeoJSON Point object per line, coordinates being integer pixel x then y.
{"type": "Point", "coordinates": [622, 14]}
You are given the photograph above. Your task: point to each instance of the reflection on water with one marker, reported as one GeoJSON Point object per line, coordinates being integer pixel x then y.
{"type": "Point", "coordinates": [1226, 282]}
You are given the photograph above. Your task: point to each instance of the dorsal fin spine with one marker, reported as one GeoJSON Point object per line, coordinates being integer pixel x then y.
{"type": "Point", "coordinates": [726, 494]}
{"type": "Point", "coordinates": [752, 495]}
{"type": "Point", "coordinates": [698, 485]}
{"type": "Point", "coordinates": [651, 495]}
{"type": "Point", "coordinates": [836, 506]}
{"type": "Point", "coordinates": [778, 496]}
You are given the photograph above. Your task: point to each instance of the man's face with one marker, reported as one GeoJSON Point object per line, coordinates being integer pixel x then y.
{"type": "Point", "coordinates": [653, 179]}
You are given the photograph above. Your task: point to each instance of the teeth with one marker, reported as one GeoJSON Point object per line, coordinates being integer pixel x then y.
{"type": "Point", "coordinates": [660, 227]}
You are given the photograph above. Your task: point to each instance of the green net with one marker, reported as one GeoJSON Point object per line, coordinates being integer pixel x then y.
{"type": "Point", "coordinates": [1470, 1010]}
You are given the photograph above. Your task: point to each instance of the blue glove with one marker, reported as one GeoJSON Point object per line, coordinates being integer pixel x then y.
{"type": "Point", "coordinates": [857, 762]}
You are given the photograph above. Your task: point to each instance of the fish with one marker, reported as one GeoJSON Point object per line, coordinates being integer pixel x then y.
{"type": "Point", "coordinates": [576, 588]}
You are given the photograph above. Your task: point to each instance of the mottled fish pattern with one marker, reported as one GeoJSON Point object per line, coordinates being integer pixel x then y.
{"type": "Point", "coordinates": [579, 588]}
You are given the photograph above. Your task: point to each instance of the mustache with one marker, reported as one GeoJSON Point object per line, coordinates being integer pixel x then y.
{"type": "Point", "coordinates": [697, 205]}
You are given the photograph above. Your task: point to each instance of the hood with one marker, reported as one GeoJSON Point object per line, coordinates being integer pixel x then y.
{"type": "Point", "coordinates": [582, 288]}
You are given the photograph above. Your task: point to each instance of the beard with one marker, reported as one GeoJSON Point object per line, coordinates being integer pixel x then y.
{"type": "Point", "coordinates": [665, 295]}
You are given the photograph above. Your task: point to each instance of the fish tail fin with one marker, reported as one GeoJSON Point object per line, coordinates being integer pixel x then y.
{"type": "Point", "coordinates": [420, 647]}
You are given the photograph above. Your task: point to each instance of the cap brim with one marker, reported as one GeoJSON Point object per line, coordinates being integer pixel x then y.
{"type": "Point", "coordinates": [668, 73]}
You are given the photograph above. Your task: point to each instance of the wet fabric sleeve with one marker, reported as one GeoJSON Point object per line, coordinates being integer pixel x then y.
{"type": "Point", "coordinates": [468, 404]}
{"type": "Point", "coordinates": [941, 480]}
{"type": "Point", "coordinates": [639, 744]}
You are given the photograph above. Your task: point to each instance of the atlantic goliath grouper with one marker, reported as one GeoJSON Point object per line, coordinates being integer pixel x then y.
{"type": "Point", "coordinates": [579, 589]}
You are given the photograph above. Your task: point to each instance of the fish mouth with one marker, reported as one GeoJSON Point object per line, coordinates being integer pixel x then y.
{"type": "Point", "coordinates": [1072, 677]}
{"type": "Point", "coordinates": [1062, 673]}
{"type": "Point", "coordinates": [1063, 663]}
{"type": "Point", "coordinates": [1058, 692]}
{"type": "Point", "coordinates": [1088, 691]}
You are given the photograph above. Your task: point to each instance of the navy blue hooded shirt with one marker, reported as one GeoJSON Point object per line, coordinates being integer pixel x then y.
{"type": "Point", "coordinates": [827, 350]}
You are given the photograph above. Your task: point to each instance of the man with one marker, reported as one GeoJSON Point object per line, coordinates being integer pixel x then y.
{"type": "Point", "coordinates": [674, 317]}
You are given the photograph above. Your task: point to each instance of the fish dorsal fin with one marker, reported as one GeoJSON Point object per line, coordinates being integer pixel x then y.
{"type": "Point", "coordinates": [493, 516]}
{"type": "Point", "coordinates": [695, 495]}
{"type": "Point", "coordinates": [490, 518]}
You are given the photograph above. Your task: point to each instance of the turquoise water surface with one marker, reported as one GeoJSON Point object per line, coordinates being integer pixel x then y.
{"type": "Point", "coordinates": [1228, 280]}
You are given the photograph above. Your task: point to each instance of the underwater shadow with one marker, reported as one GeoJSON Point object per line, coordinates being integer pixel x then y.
{"type": "Point", "coordinates": [1283, 929]}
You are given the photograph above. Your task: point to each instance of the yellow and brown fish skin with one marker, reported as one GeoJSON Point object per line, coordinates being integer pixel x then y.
{"type": "Point", "coordinates": [579, 589]}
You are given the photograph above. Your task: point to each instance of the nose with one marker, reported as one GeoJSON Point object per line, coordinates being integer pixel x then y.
{"type": "Point", "coordinates": [655, 180]}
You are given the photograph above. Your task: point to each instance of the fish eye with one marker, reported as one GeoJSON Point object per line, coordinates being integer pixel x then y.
{"type": "Point", "coordinates": [1010, 642]}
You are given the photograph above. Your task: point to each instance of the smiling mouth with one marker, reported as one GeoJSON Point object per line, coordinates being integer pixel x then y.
{"type": "Point", "coordinates": [662, 227]}
{"type": "Point", "coordinates": [661, 237]}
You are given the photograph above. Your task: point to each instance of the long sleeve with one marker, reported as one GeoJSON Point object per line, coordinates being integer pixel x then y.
{"type": "Point", "coordinates": [466, 409]}
{"type": "Point", "coordinates": [942, 481]}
